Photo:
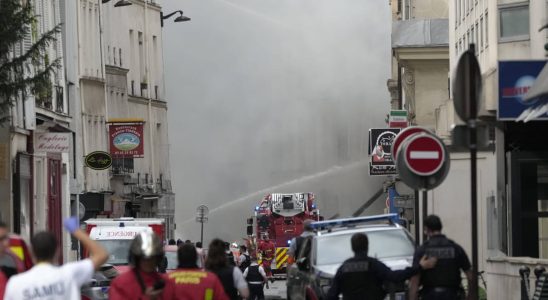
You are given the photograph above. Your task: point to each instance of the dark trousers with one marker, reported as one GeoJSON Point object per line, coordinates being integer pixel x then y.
{"type": "Point", "coordinates": [440, 294]}
{"type": "Point", "coordinates": [256, 291]}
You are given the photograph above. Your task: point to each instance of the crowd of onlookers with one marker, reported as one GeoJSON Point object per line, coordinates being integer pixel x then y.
{"type": "Point", "coordinates": [215, 274]}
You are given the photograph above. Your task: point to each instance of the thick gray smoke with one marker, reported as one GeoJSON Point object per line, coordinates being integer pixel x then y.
{"type": "Point", "coordinates": [273, 96]}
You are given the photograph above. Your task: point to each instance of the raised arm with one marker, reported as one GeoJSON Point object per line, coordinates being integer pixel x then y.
{"type": "Point", "coordinates": [98, 254]}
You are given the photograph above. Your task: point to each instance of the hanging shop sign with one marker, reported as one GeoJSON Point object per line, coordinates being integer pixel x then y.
{"type": "Point", "coordinates": [380, 150]}
{"type": "Point", "coordinates": [398, 119]}
{"type": "Point", "coordinates": [98, 160]}
{"type": "Point", "coordinates": [52, 142]}
{"type": "Point", "coordinates": [126, 140]}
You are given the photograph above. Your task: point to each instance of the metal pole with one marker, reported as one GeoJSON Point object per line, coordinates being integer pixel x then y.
{"type": "Point", "coordinates": [472, 127]}
{"type": "Point", "coordinates": [202, 234]}
{"type": "Point", "coordinates": [417, 217]}
{"type": "Point", "coordinates": [424, 211]}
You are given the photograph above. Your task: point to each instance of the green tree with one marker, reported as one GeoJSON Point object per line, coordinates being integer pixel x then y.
{"type": "Point", "coordinates": [24, 64]}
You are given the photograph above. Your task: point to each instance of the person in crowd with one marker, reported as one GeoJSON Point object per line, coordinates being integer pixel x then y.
{"type": "Point", "coordinates": [244, 260]}
{"type": "Point", "coordinates": [10, 263]}
{"type": "Point", "coordinates": [179, 242]}
{"type": "Point", "coordinates": [361, 277]}
{"type": "Point", "coordinates": [256, 279]}
{"type": "Point", "coordinates": [201, 255]}
{"type": "Point", "coordinates": [444, 280]}
{"type": "Point", "coordinates": [192, 283]}
{"type": "Point", "coordinates": [296, 242]}
{"type": "Point", "coordinates": [172, 242]}
{"type": "Point", "coordinates": [229, 254]}
{"type": "Point", "coordinates": [47, 281]}
{"type": "Point", "coordinates": [4, 244]}
{"type": "Point", "coordinates": [143, 282]}
{"type": "Point", "coordinates": [230, 276]}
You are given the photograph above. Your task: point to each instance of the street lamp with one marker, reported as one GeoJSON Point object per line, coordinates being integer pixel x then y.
{"type": "Point", "coordinates": [120, 3]}
{"type": "Point", "coordinates": [180, 18]}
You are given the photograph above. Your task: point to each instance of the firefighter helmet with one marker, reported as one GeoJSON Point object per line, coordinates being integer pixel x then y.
{"type": "Point", "coordinates": [145, 245]}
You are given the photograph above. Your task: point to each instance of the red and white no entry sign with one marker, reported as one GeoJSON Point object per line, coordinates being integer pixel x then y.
{"type": "Point", "coordinates": [400, 138]}
{"type": "Point", "coordinates": [424, 154]}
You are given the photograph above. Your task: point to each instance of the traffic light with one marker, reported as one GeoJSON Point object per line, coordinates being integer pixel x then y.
{"type": "Point", "coordinates": [250, 221]}
{"type": "Point", "coordinates": [249, 230]}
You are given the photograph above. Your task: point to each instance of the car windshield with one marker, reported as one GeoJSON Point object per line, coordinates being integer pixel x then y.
{"type": "Point", "coordinates": [382, 244]}
{"type": "Point", "coordinates": [171, 260]}
{"type": "Point", "coordinates": [118, 251]}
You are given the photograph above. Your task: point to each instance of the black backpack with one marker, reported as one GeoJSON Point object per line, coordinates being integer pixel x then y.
{"type": "Point", "coordinates": [246, 263]}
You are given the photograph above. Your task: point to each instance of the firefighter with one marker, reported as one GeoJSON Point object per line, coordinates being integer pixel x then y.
{"type": "Point", "coordinates": [143, 282]}
{"type": "Point", "coordinates": [267, 249]}
{"type": "Point", "coordinates": [443, 281]}
{"type": "Point", "coordinates": [362, 277]}
{"type": "Point", "coordinates": [193, 283]}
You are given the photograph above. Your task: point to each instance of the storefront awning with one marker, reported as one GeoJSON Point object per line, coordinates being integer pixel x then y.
{"type": "Point", "coordinates": [537, 96]}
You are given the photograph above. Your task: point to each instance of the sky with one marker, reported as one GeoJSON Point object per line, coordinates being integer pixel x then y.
{"type": "Point", "coordinates": [273, 96]}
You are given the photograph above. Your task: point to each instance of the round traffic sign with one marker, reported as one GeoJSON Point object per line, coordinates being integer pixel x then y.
{"type": "Point", "coordinates": [424, 154]}
{"type": "Point", "coordinates": [402, 136]}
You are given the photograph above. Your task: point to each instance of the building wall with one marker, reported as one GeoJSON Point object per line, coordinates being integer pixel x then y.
{"type": "Point", "coordinates": [430, 90]}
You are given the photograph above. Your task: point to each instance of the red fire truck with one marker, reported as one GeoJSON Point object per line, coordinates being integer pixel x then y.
{"type": "Point", "coordinates": [281, 216]}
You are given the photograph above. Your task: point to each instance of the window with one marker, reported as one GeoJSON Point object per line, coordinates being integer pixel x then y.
{"type": "Point", "coordinates": [514, 22]}
{"type": "Point", "coordinates": [472, 41]}
{"type": "Point", "coordinates": [114, 54]}
{"type": "Point", "coordinates": [481, 33]}
{"type": "Point", "coordinates": [457, 14]}
{"type": "Point", "coordinates": [476, 38]}
{"type": "Point", "coordinates": [120, 56]}
{"type": "Point", "coordinates": [486, 31]}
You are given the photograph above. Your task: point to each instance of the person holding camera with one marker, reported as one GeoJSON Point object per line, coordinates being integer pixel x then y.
{"type": "Point", "coordinates": [143, 281]}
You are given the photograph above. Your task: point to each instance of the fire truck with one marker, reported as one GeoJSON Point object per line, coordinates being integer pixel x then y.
{"type": "Point", "coordinates": [281, 216]}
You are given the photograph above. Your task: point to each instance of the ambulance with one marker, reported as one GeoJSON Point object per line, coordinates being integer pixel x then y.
{"type": "Point", "coordinates": [116, 236]}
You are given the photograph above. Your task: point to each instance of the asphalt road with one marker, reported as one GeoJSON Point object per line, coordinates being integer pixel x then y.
{"type": "Point", "coordinates": [276, 290]}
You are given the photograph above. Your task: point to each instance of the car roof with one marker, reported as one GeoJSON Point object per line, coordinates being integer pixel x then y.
{"type": "Point", "coordinates": [356, 229]}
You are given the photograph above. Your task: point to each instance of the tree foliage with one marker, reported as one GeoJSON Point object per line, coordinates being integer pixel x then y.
{"type": "Point", "coordinates": [24, 64]}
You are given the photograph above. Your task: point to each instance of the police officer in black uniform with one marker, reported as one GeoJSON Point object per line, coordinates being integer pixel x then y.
{"type": "Point", "coordinates": [444, 280]}
{"type": "Point", "coordinates": [361, 277]}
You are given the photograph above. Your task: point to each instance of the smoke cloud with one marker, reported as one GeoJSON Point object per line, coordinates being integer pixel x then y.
{"type": "Point", "coordinates": [273, 96]}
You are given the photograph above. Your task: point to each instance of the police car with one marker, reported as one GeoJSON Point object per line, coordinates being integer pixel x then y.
{"type": "Point", "coordinates": [321, 255]}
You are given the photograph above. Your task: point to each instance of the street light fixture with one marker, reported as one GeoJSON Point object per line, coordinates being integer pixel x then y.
{"type": "Point", "coordinates": [180, 18]}
{"type": "Point", "coordinates": [120, 3]}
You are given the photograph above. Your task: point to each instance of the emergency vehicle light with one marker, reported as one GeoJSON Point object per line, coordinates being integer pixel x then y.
{"type": "Point", "coordinates": [353, 221]}
{"type": "Point", "coordinates": [256, 208]}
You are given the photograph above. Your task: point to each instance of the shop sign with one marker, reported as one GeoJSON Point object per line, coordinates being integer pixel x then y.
{"type": "Point", "coordinates": [398, 119]}
{"type": "Point", "coordinates": [52, 142]}
{"type": "Point", "coordinates": [515, 80]}
{"type": "Point", "coordinates": [98, 160]}
{"type": "Point", "coordinates": [380, 150]}
{"type": "Point", "coordinates": [126, 140]}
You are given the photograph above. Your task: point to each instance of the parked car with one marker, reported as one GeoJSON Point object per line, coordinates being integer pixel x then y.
{"type": "Point", "coordinates": [322, 254]}
{"type": "Point", "coordinates": [97, 288]}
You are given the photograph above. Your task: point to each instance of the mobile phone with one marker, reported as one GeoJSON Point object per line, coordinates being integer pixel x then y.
{"type": "Point", "coordinates": [160, 284]}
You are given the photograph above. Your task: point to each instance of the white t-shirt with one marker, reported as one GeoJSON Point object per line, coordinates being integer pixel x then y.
{"type": "Point", "coordinates": [238, 278]}
{"type": "Point", "coordinates": [46, 281]}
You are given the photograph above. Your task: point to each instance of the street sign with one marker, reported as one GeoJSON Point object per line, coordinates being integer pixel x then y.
{"type": "Point", "coordinates": [424, 154]}
{"type": "Point", "coordinates": [202, 219]}
{"type": "Point", "coordinates": [467, 86]}
{"type": "Point", "coordinates": [398, 119]}
{"type": "Point", "coordinates": [436, 162]}
{"type": "Point", "coordinates": [404, 201]}
{"type": "Point", "coordinates": [402, 136]}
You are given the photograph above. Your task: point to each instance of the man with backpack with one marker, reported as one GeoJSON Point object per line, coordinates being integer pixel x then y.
{"type": "Point", "coordinates": [244, 260]}
{"type": "Point", "coordinates": [296, 242]}
{"type": "Point", "coordinates": [256, 279]}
